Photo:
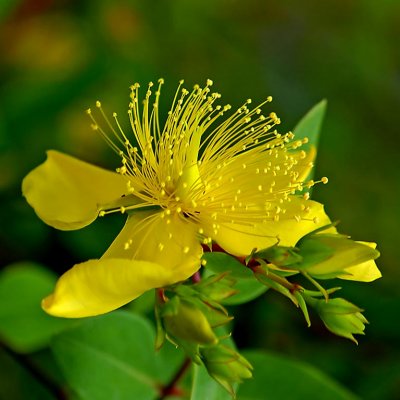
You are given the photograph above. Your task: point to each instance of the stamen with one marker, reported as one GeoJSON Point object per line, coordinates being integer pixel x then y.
{"type": "Point", "coordinates": [195, 167]}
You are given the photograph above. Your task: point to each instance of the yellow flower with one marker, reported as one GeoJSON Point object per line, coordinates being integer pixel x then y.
{"type": "Point", "coordinates": [193, 181]}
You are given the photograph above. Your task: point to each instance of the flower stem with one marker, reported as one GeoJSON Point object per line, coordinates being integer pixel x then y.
{"type": "Point", "coordinates": [278, 279]}
{"type": "Point", "coordinates": [171, 388]}
{"type": "Point", "coordinates": [196, 277]}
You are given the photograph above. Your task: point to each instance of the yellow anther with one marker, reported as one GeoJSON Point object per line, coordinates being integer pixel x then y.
{"type": "Point", "coordinates": [324, 180]}
{"type": "Point", "coordinates": [186, 249]}
{"type": "Point", "coordinates": [98, 104]}
{"type": "Point", "coordinates": [160, 246]}
{"type": "Point", "coordinates": [203, 262]}
{"type": "Point", "coordinates": [102, 213]}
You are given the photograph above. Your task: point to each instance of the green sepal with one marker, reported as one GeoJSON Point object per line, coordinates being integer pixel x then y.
{"type": "Point", "coordinates": [303, 306]}
{"type": "Point", "coordinates": [170, 308]}
{"type": "Point", "coordinates": [226, 366]}
{"type": "Point", "coordinates": [281, 256]}
{"type": "Point", "coordinates": [313, 252]}
{"type": "Point", "coordinates": [216, 314]}
{"type": "Point", "coordinates": [321, 229]}
{"type": "Point", "coordinates": [261, 274]}
{"type": "Point", "coordinates": [340, 316]}
{"type": "Point", "coordinates": [217, 287]}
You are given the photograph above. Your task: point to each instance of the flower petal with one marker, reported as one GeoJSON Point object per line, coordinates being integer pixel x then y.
{"type": "Point", "coordinates": [364, 272]}
{"type": "Point", "coordinates": [99, 286]}
{"type": "Point", "coordinates": [67, 193]}
{"type": "Point", "coordinates": [134, 263]}
{"type": "Point", "coordinates": [242, 239]}
{"type": "Point", "coordinates": [168, 240]}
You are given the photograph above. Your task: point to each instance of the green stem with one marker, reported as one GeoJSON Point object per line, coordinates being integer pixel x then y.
{"type": "Point", "coordinates": [317, 285]}
{"type": "Point", "coordinates": [171, 388]}
{"type": "Point", "coordinates": [278, 279]}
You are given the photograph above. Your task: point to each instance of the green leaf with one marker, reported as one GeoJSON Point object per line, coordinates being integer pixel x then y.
{"type": "Point", "coordinates": [310, 125]}
{"type": "Point", "coordinates": [248, 288]}
{"type": "Point", "coordinates": [17, 383]}
{"type": "Point", "coordinates": [24, 326]}
{"type": "Point", "coordinates": [204, 387]}
{"type": "Point", "coordinates": [277, 377]}
{"type": "Point", "coordinates": [7, 7]}
{"type": "Point", "coordinates": [113, 357]}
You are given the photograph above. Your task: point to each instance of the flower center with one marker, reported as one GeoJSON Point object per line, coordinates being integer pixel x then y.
{"type": "Point", "coordinates": [241, 171]}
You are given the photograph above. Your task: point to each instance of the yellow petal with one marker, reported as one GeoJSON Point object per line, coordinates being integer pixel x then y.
{"type": "Point", "coordinates": [67, 193]}
{"type": "Point", "coordinates": [99, 286]}
{"type": "Point", "coordinates": [307, 164]}
{"type": "Point", "coordinates": [169, 240]}
{"type": "Point", "coordinates": [134, 263]}
{"type": "Point", "coordinates": [242, 239]}
{"type": "Point", "coordinates": [364, 272]}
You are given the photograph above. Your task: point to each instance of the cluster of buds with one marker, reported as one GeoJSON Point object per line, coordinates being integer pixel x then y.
{"type": "Point", "coordinates": [320, 255]}
{"type": "Point", "coordinates": [188, 316]}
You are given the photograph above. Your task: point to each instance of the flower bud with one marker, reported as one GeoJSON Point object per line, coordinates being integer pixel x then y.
{"type": "Point", "coordinates": [226, 365]}
{"type": "Point", "coordinates": [340, 316]}
{"type": "Point", "coordinates": [188, 323]}
{"type": "Point", "coordinates": [327, 256]}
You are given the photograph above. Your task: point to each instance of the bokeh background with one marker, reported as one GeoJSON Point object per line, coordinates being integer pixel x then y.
{"type": "Point", "coordinates": [59, 57]}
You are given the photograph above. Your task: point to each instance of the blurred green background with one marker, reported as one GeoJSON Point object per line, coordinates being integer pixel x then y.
{"type": "Point", "coordinates": [59, 57]}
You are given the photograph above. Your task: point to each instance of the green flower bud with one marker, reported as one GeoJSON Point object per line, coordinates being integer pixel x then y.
{"type": "Point", "coordinates": [226, 365]}
{"type": "Point", "coordinates": [340, 316]}
{"type": "Point", "coordinates": [327, 256]}
{"type": "Point", "coordinates": [188, 323]}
